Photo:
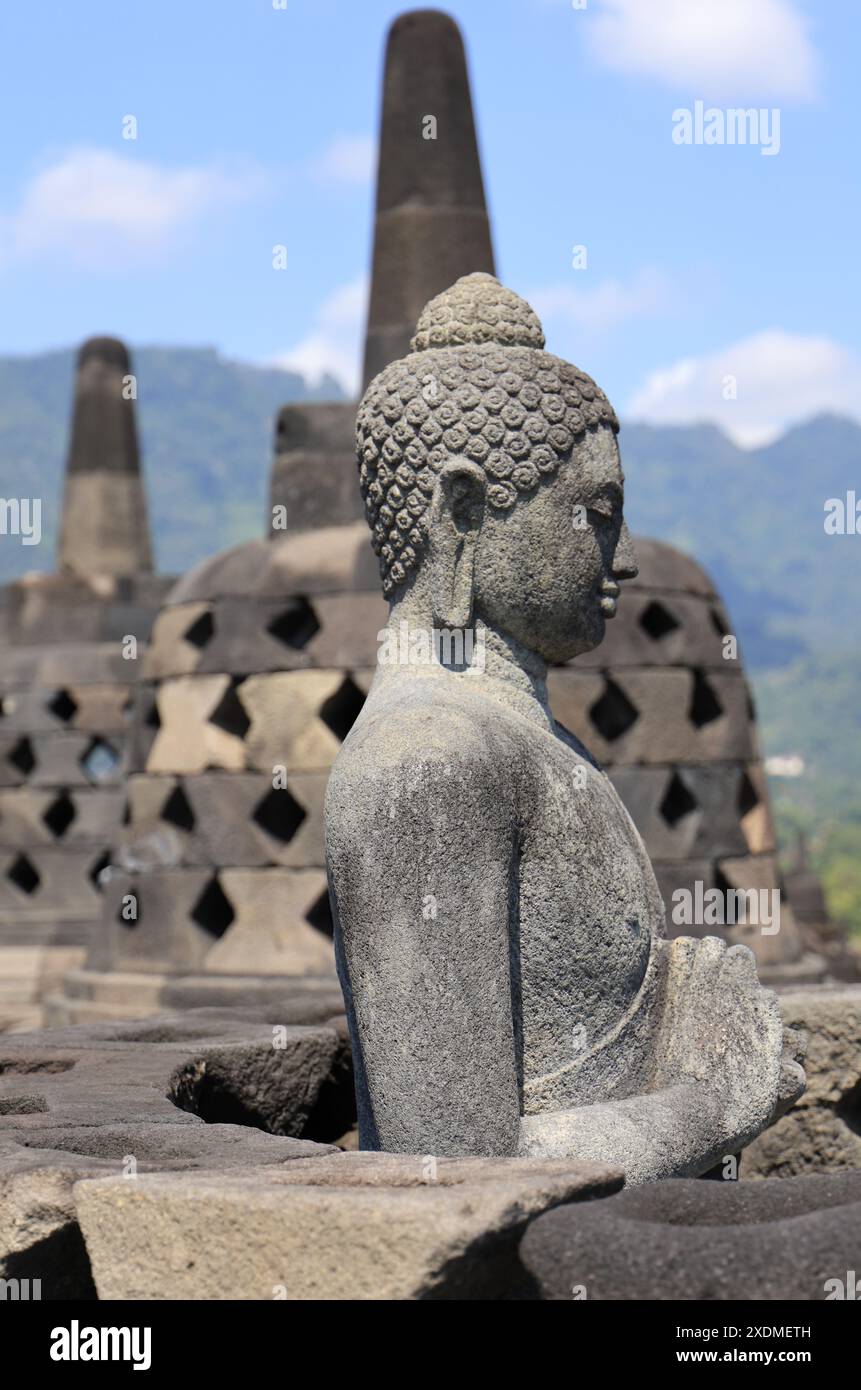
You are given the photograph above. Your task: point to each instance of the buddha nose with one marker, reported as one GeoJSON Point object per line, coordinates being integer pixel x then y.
{"type": "Point", "coordinates": [625, 559]}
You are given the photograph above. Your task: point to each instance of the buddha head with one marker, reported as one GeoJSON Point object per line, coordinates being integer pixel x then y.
{"type": "Point", "coordinates": [491, 477]}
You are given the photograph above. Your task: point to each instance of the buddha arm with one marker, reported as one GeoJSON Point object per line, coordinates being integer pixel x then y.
{"type": "Point", "coordinates": [420, 859]}
{"type": "Point", "coordinates": [663, 1134]}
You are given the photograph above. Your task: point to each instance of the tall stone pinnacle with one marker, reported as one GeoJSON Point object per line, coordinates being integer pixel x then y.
{"type": "Point", "coordinates": [431, 223]}
{"type": "Point", "coordinates": [104, 528]}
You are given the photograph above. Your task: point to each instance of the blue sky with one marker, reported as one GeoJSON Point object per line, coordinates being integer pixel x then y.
{"type": "Point", "coordinates": [256, 126]}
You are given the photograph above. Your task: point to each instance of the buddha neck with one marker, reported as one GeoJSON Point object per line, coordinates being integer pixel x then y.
{"type": "Point", "coordinates": [490, 662]}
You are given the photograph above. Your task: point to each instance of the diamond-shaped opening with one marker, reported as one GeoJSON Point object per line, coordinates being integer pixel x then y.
{"type": "Point", "coordinates": [677, 802]}
{"type": "Point", "coordinates": [724, 887]}
{"type": "Point", "coordinates": [340, 712]}
{"type": "Point", "coordinates": [177, 810]}
{"type": "Point", "coordinates": [63, 706]}
{"type": "Point", "coordinates": [201, 631]}
{"type": "Point", "coordinates": [751, 708]}
{"type": "Point", "coordinates": [613, 714]}
{"type": "Point", "coordinates": [229, 713]}
{"type": "Point", "coordinates": [279, 814]}
{"type": "Point", "coordinates": [748, 797]}
{"type": "Point", "coordinates": [213, 911]}
{"type": "Point", "coordinates": [658, 621]}
{"type": "Point", "coordinates": [705, 705]}
{"type": "Point", "coordinates": [719, 622]}
{"type": "Point", "coordinates": [22, 756]}
{"type": "Point", "coordinates": [319, 915]}
{"type": "Point", "coordinates": [722, 883]}
{"type": "Point", "coordinates": [24, 875]}
{"type": "Point", "coordinates": [101, 867]}
{"type": "Point", "coordinates": [295, 625]}
{"type": "Point", "coordinates": [60, 814]}
{"type": "Point", "coordinates": [100, 760]}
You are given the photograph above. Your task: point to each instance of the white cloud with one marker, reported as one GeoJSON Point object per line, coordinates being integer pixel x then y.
{"type": "Point", "coordinates": [715, 49]}
{"type": "Point", "coordinates": [95, 207]}
{"type": "Point", "coordinates": [336, 340]}
{"type": "Point", "coordinates": [348, 159]}
{"type": "Point", "coordinates": [780, 378]}
{"type": "Point", "coordinates": [601, 307]}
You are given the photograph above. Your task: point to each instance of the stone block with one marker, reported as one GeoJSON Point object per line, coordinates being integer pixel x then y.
{"type": "Point", "coordinates": [822, 1132]}
{"type": "Point", "coordinates": [353, 1226]}
{"type": "Point", "coordinates": [690, 1240]}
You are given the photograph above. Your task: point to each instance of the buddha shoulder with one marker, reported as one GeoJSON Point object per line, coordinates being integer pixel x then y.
{"type": "Point", "coordinates": [424, 747]}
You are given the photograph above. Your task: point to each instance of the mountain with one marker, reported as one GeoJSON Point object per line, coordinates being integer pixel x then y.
{"type": "Point", "coordinates": [753, 518]}
{"type": "Point", "coordinates": [205, 427]}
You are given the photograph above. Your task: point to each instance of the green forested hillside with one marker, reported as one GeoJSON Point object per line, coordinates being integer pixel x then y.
{"type": "Point", "coordinates": [205, 426]}
{"type": "Point", "coordinates": [754, 519]}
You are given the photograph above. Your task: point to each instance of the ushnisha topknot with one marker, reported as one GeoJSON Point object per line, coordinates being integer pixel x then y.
{"type": "Point", "coordinates": [477, 309]}
{"type": "Point", "coordinates": [478, 384]}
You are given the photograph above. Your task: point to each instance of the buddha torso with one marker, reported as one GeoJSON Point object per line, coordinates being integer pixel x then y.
{"type": "Point", "coordinates": [584, 911]}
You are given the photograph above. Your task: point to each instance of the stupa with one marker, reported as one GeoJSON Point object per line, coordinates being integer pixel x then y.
{"type": "Point", "coordinates": [71, 644]}
{"type": "Point", "coordinates": [262, 656]}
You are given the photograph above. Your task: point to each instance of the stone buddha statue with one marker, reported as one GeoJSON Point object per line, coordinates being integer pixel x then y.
{"type": "Point", "coordinates": [499, 932]}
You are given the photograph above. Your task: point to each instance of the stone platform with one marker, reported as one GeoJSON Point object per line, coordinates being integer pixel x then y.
{"type": "Point", "coordinates": [208, 1155]}
{"type": "Point", "coordinates": [685, 1239]}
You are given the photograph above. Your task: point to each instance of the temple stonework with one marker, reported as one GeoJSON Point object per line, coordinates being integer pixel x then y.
{"type": "Point", "coordinates": [66, 693]}
{"type": "Point", "coordinates": [261, 657]}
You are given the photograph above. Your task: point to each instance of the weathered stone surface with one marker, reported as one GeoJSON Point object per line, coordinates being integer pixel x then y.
{"type": "Point", "coordinates": [97, 994]}
{"type": "Point", "coordinates": [356, 1226]}
{"type": "Point", "coordinates": [431, 220]}
{"type": "Point", "coordinates": [693, 812]}
{"type": "Point", "coordinates": [189, 739]}
{"type": "Point", "coordinates": [332, 559]}
{"type": "Point", "coordinates": [241, 820]}
{"type": "Point", "coordinates": [650, 715]}
{"type": "Point", "coordinates": [272, 926]}
{"type": "Point", "coordinates": [313, 440]}
{"type": "Point", "coordinates": [208, 1089]}
{"type": "Point", "coordinates": [104, 526]}
{"type": "Point", "coordinates": [822, 1133]}
{"type": "Point", "coordinates": [657, 627]}
{"type": "Point", "coordinates": [112, 1073]}
{"type": "Point", "coordinates": [492, 898]}
{"type": "Point", "coordinates": [40, 816]}
{"type": "Point", "coordinates": [781, 1239]}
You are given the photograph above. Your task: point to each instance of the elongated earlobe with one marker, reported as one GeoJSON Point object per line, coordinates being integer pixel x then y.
{"type": "Point", "coordinates": [457, 512]}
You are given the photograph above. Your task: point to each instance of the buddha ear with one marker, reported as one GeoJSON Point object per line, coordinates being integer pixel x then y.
{"type": "Point", "coordinates": [456, 515]}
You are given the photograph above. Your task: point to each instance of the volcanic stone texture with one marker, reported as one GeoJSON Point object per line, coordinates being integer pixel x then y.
{"type": "Point", "coordinates": [661, 706]}
{"type": "Point", "coordinates": [104, 528]}
{"type": "Point", "coordinates": [822, 1131]}
{"type": "Point", "coordinates": [208, 1089]}
{"type": "Point", "coordinates": [691, 1240]}
{"type": "Point", "coordinates": [66, 696]}
{"type": "Point", "coordinates": [314, 441]}
{"type": "Point", "coordinates": [258, 666]}
{"type": "Point", "coordinates": [66, 679]}
{"type": "Point", "coordinates": [431, 220]}
{"type": "Point", "coordinates": [352, 1226]}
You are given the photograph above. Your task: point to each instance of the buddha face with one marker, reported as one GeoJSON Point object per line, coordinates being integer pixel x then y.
{"type": "Point", "coordinates": [547, 572]}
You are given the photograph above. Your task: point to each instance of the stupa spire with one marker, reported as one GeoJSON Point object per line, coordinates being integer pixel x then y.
{"type": "Point", "coordinates": [104, 527]}
{"type": "Point", "coordinates": [431, 219]}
